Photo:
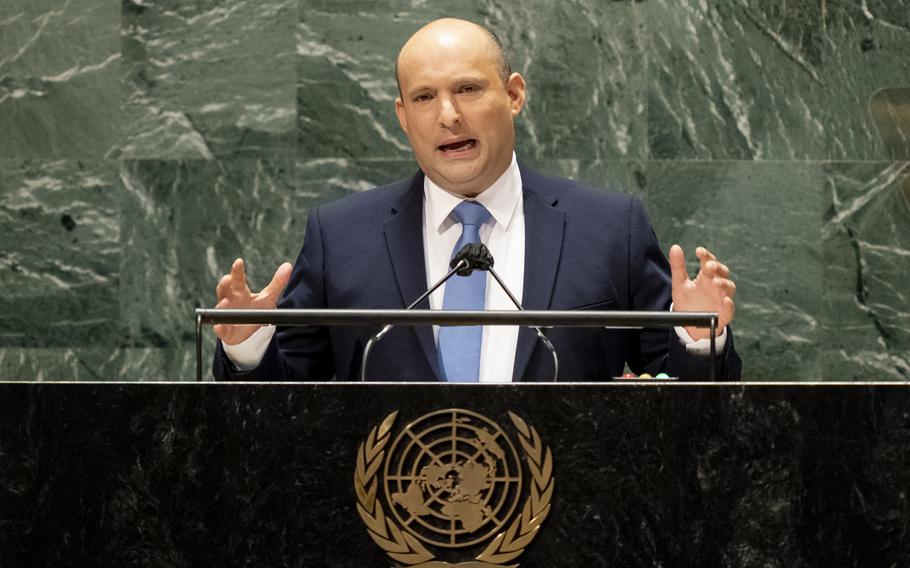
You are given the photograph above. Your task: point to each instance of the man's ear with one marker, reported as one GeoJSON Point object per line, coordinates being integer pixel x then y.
{"type": "Point", "coordinates": [517, 91]}
{"type": "Point", "coordinates": [399, 110]}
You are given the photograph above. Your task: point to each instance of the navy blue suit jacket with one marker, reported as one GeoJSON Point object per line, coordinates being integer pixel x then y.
{"type": "Point", "coordinates": [585, 248]}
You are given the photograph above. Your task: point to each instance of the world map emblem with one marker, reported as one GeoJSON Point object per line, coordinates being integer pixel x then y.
{"type": "Point", "coordinates": [452, 488]}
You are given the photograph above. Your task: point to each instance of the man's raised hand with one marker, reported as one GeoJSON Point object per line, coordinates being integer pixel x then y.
{"type": "Point", "coordinates": [711, 291]}
{"type": "Point", "coordinates": [233, 293]}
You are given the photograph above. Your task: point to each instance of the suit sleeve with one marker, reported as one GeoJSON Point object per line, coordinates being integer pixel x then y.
{"type": "Point", "coordinates": [660, 350]}
{"type": "Point", "coordinates": [294, 353]}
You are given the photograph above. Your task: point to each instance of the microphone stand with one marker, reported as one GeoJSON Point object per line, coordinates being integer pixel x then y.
{"type": "Point", "coordinates": [463, 264]}
{"type": "Point", "coordinates": [473, 256]}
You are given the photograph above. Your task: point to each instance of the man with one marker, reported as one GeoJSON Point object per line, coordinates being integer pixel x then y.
{"type": "Point", "coordinates": [557, 244]}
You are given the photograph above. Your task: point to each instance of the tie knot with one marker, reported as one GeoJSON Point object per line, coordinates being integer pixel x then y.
{"type": "Point", "coordinates": [471, 213]}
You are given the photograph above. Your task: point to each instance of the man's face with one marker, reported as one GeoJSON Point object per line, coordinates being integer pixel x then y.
{"type": "Point", "coordinates": [455, 108]}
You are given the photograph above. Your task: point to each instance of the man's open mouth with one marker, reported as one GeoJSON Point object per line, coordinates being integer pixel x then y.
{"type": "Point", "coordinates": [460, 146]}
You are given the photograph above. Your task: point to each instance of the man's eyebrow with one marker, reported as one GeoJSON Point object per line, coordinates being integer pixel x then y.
{"type": "Point", "coordinates": [419, 90]}
{"type": "Point", "coordinates": [470, 79]}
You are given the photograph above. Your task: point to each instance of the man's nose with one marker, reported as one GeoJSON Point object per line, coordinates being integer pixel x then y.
{"type": "Point", "coordinates": [449, 115]}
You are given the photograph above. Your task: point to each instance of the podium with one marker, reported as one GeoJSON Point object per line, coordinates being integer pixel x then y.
{"type": "Point", "coordinates": [267, 474]}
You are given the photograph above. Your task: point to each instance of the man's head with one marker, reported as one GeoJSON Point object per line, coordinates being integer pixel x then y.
{"type": "Point", "coordinates": [457, 104]}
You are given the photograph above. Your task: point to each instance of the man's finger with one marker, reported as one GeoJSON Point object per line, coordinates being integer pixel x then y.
{"type": "Point", "coordinates": [704, 254]}
{"type": "Point", "coordinates": [709, 268]}
{"type": "Point", "coordinates": [678, 273]}
{"type": "Point", "coordinates": [238, 273]}
{"type": "Point", "coordinates": [222, 289]}
{"type": "Point", "coordinates": [730, 287]}
{"type": "Point", "coordinates": [729, 309]}
{"type": "Point", "coordinates": [727, 286]}
{"type": "Point", "coordinates": [279, 281]}
{"type": "Point", "coordinates": [707, 264]}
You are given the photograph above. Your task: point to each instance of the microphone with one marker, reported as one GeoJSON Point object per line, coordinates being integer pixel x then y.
{"type": "Point", "coordinates": [466, 260]}
{"type": "Point", "coordinates": [486, 259]}
{"type": "Point", "coordinates": [477, 255]}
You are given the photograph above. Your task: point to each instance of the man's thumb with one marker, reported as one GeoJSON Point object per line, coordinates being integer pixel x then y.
{"type": "Point", "coordinates": [279, 280]}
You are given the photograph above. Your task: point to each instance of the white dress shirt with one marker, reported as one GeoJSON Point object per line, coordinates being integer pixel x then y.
{"type": "Point", "coordinates": [504, 236]}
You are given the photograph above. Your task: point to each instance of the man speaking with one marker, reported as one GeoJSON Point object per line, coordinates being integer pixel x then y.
{"type": "Point", "coordinates": [557, 245]}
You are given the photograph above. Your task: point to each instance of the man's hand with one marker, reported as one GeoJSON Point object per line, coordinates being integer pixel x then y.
{"type": "Point", "coordinates": [233, 293]}
{"type": "Point", "coordinates": [711, 291]}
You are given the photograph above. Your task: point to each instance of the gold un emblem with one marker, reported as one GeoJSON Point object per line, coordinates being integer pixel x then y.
{"type": "Point", "coordinates": [448, 488]}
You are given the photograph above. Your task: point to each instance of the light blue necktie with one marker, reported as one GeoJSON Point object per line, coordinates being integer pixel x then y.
{"type": "Point", "coordinates": [459, 346]}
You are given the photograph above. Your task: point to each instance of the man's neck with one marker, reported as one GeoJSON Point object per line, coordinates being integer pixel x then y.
{"type": "Point", "coordinates": [473, 194]}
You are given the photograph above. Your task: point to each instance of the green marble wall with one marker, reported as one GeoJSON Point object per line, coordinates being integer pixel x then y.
{"type": "Point", "coordinates": [144, 145]}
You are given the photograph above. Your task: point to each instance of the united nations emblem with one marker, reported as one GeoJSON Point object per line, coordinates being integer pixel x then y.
{"type": "Point", "coordinates": [448, 488]}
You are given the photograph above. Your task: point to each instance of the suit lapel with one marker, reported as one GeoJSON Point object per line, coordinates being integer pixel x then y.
{"type": "Point", "coordinates": [404, 238]}
{"type": "Point", "coordinates": [544, 229]}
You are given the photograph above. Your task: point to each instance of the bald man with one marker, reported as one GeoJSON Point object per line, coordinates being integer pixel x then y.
{"type": "Point", "coordinates": [557, 245]}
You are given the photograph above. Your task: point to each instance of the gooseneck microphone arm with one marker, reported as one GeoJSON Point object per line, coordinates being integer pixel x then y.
{"type": "Point", "coordinates": [540, 333]}
{"type": "Point", "coordinates": [472, 256]}
{"type": "Point", "coordinates": [460, 264]}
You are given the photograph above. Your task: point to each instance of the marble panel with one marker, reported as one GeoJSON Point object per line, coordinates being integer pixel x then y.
{"type": "Point", "coordinates": [183, 224]}
{"type": "Point", "coordinates": [60, 260]}
{"type": "Point", "coordinates": [623, 176]}
{"type": "Point", "coordinates": [326, 180]}
{"type": "Point", "coordinates": [590, 108]}
{"type": "Point", "coordinates": [772, 80]}
{"type": "Point", "coordinates": [104, 363]}
{"type": "Point", "coordinates": [59, 78]}
{"type": "Point", "coordinates": [866, 251]}
{"type": "Point", "coordinates": [209, 79]}
{"type": "Point", "coordinates": [346, 80]}
{"type": "Point", "coordinates": [763, 220]}
{"type": "Point", "coordinates": [62, 364]}
{"type": "Point", "coordinates": [586, 79]}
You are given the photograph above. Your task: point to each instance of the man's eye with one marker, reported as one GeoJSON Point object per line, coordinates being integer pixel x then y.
{"type": "Point", "coordinates": [422, 98]}
{"type": "Point", "coordinates": [469, 89]}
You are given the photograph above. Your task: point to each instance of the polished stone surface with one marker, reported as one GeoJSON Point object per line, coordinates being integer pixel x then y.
{"type": "Point", "coordinates": [146, 144]}
{"type": "Point", "coordinates": [866, 256]}
{"type": "Point", "coordinates": [645, 475]}
{"type": "Point", "coordinates": [772, 80]}
{"type": "Point", "coordinates": [208, 79]}
{"type": "Point", "coordinates": [60, 65]}
{"type": "Point", "coordinates": [60, 259]}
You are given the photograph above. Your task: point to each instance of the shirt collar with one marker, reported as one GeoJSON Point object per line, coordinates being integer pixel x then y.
{"type": "Point", "coordinates": [501, 199]}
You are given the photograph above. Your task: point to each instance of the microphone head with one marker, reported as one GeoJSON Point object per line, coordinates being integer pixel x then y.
{"type": "Point", "coordinates": [477, 256]}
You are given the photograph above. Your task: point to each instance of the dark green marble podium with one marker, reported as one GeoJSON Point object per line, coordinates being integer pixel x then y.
{"type": "Point", "coordinates": [183, 474]}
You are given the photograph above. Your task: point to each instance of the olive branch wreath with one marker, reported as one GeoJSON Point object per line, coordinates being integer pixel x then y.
{"type": "Point", "coordinates": [405, 548]}
{"type": "Point", "coordinates": [401, 546]}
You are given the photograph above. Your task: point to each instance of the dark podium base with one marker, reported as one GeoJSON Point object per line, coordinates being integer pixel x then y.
{"type": "Point", "coordinates": [262, 474]}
